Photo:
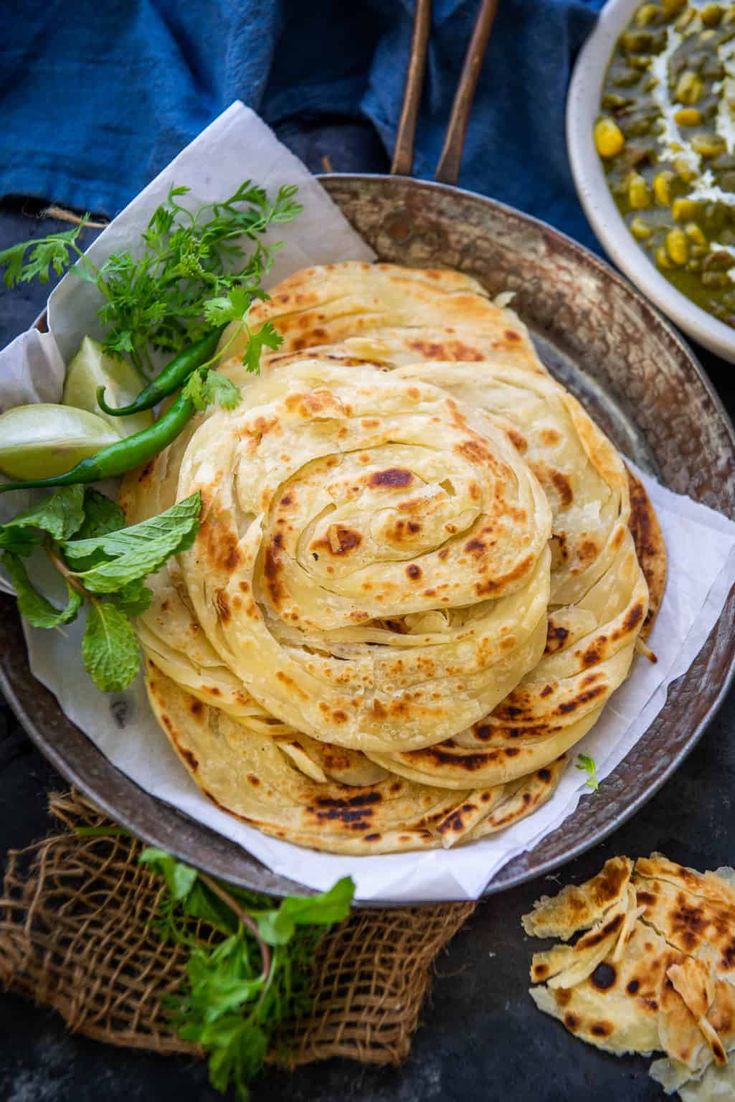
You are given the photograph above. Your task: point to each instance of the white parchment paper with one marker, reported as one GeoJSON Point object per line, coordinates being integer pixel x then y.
{"type": "Point", "coordinates": [700, 543]}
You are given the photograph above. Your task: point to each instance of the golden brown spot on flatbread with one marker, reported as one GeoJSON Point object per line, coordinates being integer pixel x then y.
{"type": "Point", "coordinates": [563, 487]}
{"type": "Point", "coordinates": [491, 585]}
{"type": "Point", "coordinates": [608, 928]}
{"type": "Point", "coordinates": [474, 546]}
{"type": "Point", "coordinates": [188, 756]}
{"type": "Point", "coordinates": [222, 606]}
{"type": "Point", "coordinates": [272, 570]}
{"type": "Point", "coordinates": [340, 541]}
{"type": "Point", "coordinates": [431, 350]}
{"type": "Point", "coordinates": [604, 976]}
{"type": "Point", "coordinates": [413, 571]}
{"type": "Point", "coordinates": [584, 697]}
{"type": "Point", "coordinates": [587, 551]}
{"type": "Point", "coordinates": [518, 441]}
{"type": "Point", "coordinates": [549, 437]}
{"type": "Point", "coordinates": [474, 450]}
{"type": "Point", "coordinates": [649, 545]}
{"type": "Point", "coordinates": [460, 351]}
{"type": "Point", "coordinates": [594, 652]}
{"type": "Point", "coordinates": [393, 477]}
{"type": "Point", "coordinates": [438, 756]}
{"type": "Point", "coordinates": [634, 616]}
{"type": "Point", "coordinates": [556, 636]}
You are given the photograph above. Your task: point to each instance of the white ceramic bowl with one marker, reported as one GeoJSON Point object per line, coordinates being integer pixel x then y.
{"type": "Point", "coordinates": [582, 110]}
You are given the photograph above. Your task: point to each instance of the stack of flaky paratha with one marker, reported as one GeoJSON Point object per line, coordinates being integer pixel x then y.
{"type": "Point", "coordinates": [415, 583]}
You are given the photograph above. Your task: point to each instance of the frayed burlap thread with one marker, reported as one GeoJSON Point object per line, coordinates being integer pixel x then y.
{"type": "Point", "coordinates": [76, 935]}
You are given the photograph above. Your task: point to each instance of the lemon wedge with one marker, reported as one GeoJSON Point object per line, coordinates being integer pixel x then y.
{"type": "Point", "coordinates": [42, 440]}
{"type": "Point", "coordinates": [91, 368]}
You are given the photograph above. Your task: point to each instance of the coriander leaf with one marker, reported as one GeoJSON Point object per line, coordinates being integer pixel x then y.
{"type": "Point", "coordinates": [179, 878]}
{"type": "Point", "coordinates": [110, 648]}
{"type": "Point", "coordinates": [221, 979]}
{"type": "Point", "coordinates": [135, 551]}
{"type": "Point", "coordinates": [36, 258]}
{"type": "Point", "coordinates": [34, 607]}
{"type": "Point", "coordinates": [277, 927]}
{"type": "Point", "coordinates": [230, 307]}
{"type": "Point", "coordinates": [61, 514]}
{"type": "Point", "coordinates": [222, 390]}
{"type": "Point", "coordinates": [237, 1048]}
{"type": "Point", "coordinates": [101, 515]}
{"type": "Point", "coordinates": [587, 765]}
{"type": "Point", "coordinates": [194, 389]}
{"type": "Point", "coordinates": [258, 339]}
{"type": "Point", "coordinates": [205, 387]}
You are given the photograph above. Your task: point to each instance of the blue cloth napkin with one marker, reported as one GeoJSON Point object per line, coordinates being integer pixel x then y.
{"type": "Point", "coordinates": [96, 96]}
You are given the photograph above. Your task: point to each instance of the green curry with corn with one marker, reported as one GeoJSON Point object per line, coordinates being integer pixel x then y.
{"type": "Point", "coordinates": [666, 136]}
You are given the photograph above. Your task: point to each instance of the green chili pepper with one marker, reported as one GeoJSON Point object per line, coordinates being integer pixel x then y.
{"type": "Point", "coordinates": [123, 455]}
{"type": "Point", "coordinates": [173, 375]}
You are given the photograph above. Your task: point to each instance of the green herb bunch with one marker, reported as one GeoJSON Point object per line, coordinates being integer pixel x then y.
{"type": "Point", "coordinates": [191, 272]}
{"type": "Point", "coordinates": [249, 963]}
{"type": "Point", "coordinates": [102, 564]}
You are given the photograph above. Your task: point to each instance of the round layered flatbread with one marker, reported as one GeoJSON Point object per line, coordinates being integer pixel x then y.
{"type": "Point", "coordinates": [373, 569]}
{"type": "Point", "coordinates": [250, 776]}
{"type": "Point", "coordinates": [598, 600]}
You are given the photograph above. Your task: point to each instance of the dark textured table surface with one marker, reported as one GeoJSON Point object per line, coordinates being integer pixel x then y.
{"type": "Point", "coordinates": [481, 1036]}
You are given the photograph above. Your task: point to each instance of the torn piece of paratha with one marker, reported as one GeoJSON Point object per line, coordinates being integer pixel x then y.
{"type": "Point", "coordinates": [652, 971]}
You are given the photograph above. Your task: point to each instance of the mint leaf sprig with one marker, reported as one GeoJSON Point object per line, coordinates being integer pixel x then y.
{"type": "Point", "coordinates": [249, 963]}
{"type": "Point", "coordinates": [102, 564]}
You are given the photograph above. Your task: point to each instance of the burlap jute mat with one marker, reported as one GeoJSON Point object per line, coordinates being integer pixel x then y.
{"type": "Point", "coordinates": [76, 935]}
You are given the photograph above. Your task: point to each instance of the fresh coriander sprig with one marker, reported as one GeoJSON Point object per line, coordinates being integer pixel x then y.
{"type": "Point", "coordinates": [587, 765]}
{"type": "Point", "coordinates": [102, 564]}
{"type": "Point", "coordinates": [251, 975]}
{"type": "Point", "coordinates": [190, 258]}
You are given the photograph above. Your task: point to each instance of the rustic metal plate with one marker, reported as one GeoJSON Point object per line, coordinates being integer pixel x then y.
{"type": "Point", "coordinates": [638, 380]}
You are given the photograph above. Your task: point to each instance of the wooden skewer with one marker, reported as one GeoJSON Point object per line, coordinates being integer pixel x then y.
{"type": "Point", "coordinates": [447, 169]}
{"type": "Point", "coordinates": [403, 153]}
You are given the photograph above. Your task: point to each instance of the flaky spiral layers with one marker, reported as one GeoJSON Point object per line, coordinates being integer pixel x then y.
{"type": "Point", "coordinates": [415, 584]}
{"type": "Point", "coordinates": [375, 571]}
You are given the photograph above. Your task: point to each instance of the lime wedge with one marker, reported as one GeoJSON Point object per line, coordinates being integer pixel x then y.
{"type": "Point", "coordinates": [43, 440]}
{"type": "Point", "coordinates": [92, 368]}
